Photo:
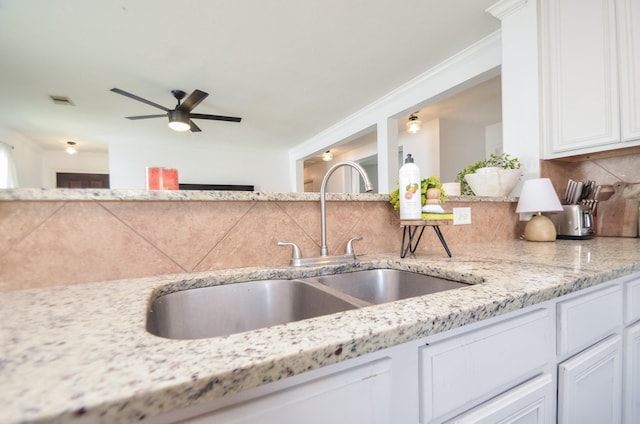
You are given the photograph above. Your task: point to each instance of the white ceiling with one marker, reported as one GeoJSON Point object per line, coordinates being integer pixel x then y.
{"type": "Point", "coordinates": [289, 68]}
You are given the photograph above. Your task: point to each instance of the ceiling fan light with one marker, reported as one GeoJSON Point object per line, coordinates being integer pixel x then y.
{"type": "Point", "coordinates": [71, 148]}
{"type": "Point", "coordinates": [414, 124]}
{"type": "Point", "coordinates": [179, 121]}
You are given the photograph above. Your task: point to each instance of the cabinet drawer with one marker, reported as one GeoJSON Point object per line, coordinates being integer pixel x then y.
{"type": "Point", "coordinates": [531, 402]}
{"type": "Point", "coordinates": [458, 373]}
{"type": "Point", "coordinates": [632, 297]}
{"type": "Point", "coordinates": [585, 320]}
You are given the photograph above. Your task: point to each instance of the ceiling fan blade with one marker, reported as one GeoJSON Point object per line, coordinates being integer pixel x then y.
{"type": "Point", "coordinates": [194, 127]}
{"type": "Point", "coordinates": [140, 99]}
{"type": "Point", "coordinates": [192, 101]}
{"type": "Point", "coordinates": [214, 117]}
{"type": "Point", "coordinates": [164, 115]}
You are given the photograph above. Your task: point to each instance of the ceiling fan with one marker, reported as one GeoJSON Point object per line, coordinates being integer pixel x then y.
{"type": "Point", "coordinates": [180, 117]}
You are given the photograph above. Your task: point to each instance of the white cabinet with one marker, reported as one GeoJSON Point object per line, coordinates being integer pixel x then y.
{"type": "Point", "coordinates": [460, 372]}
{"type": "Point", "coordinates": [581, 321]}
{"type": "Point", "coordinates": [590, 385]}
{"type": "Point", "coordinates": [361, 395]}
{"type": "Point", "coordinates": [631, 376]}
{"type": "Point", "coordinates": [628, 12]}
{"type": "Point", "coordinates": [590, 61]}
{"type": "Point", "coordinates": [530, 403]}
{"type": "Point", "coordinates": [632, 301]}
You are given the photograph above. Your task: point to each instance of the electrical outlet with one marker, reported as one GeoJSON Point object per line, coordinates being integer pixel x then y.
{"type": "Point", "coordinates": [461, 216]}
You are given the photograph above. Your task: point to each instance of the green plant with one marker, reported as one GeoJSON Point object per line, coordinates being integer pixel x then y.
{"type": "Point", "coordinates": [427, 183]}
{"type": "Point", "coordinates": [504, 161]}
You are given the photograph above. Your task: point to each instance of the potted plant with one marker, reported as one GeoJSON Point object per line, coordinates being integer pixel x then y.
{"type": "Point", "coordinates": [427, 184]}
{"type": "Point", "coordinates": [495, 176]}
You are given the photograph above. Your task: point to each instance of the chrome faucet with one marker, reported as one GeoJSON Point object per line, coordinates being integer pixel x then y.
{"type": "Point", "coordinates": [324, 258]}
{"type": "Point", "coordinates": [324, 250]}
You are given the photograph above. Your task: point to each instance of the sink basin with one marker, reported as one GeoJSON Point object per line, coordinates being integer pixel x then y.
{"type": "Point", "coordinates": [386, 285]}
{"type": "Point", "coordinates": [234, 308]}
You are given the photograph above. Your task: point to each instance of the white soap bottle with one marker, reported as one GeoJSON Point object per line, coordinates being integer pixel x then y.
{"type": "Point", "coordinates": [410, 193]}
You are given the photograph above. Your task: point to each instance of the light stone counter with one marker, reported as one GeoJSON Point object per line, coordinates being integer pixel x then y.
{"type": "Point", "coordinates": [81, 353]}
{"type": "Point", "coordinates": [37, 194]}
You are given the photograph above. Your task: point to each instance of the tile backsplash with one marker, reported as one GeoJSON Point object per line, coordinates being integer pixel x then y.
{"type": "Point", "coordinates": [53, 243]}
{"type": "Point", "coordinates": [604, 170]}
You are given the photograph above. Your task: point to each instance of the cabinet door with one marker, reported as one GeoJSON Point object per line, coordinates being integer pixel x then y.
{"type": "Point", "coordinates": [360, 396]}
{"type": "Point", "coordinates": [529, 403]}
{"type": "Point", "coordinates": [632, 300]}
{"type": "Point", "coordinates": [631, 374]}
{"type": "Point", "coordinates": [590, 384]}
{"type": "Point", "coordinates": [628, 12]}
{"type": "Point", "coordinates": [580, 83]}
{"type": "Point", "coordinates": [459, 373]}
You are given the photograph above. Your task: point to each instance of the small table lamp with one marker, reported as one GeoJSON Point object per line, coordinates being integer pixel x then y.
{"type": "Point", "coordinates": [537, 196]}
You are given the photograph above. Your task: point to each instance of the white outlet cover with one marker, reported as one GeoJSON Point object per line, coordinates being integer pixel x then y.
{"type": "Point", "coordinates": [461, 216]}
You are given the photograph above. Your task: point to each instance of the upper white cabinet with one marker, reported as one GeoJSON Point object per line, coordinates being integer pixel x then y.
{"type": "Point", "coordinates": [628, 12]}
{"type": "Point", "coordinates": [590, 58]}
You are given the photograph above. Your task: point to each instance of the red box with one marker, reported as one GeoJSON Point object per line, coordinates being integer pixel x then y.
{"type": "Point", "coordinates": [159, 178]}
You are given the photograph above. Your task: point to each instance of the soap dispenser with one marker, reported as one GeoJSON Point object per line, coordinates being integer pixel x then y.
{"type": "Point", "coordinates": [410, 190]}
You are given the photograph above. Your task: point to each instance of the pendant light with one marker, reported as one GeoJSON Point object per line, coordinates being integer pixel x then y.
{"type": "Point", "coordinates": [414, 124]}
{"type": "Point", "coordinates": [327, 156]}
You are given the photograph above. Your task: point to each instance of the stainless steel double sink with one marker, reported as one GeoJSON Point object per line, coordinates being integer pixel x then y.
{"type": "Point", "coordinates": [233, 308]}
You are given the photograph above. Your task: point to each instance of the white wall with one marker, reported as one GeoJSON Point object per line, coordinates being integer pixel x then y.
{"type": "Point", "coordinates": [36, 167]}
{"type": "Point", "coordinates": [315, 173]}
{"type": "Point", "coordinates": [493, 140]}
{"type": "Point", "coordinates": [199, 163]}
{"type": "Point", "coordinates": [54, 161]}
{"type": "Point", "coordinates": [520, 86]}
{"type": "Point", "coordinates": [27, 157]}
{"type": "Point", "coordinates": [461, 144]}
{"type": "Point", "coordinates": [424, 147]}
{"type": "Point", "coordinates": [126, 161]}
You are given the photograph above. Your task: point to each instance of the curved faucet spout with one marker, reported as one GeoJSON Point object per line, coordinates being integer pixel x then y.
{"type": "Point", "coordinates": [324, 250]}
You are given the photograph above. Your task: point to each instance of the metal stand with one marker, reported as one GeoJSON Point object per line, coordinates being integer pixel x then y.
{"type": "Point", "coordinates": [410, 241]}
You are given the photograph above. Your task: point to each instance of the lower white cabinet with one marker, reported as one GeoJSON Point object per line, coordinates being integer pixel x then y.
{"type": "Point", "coordinates": [631, 376]}
{"type": "Point", "coordinates": [590, 385]}
{"type": "Point", "coordinates": [460, 372]}
{"type": "Point", "coordinates": [530, 403]}
{"type": "Point", "coordinates": [360, 396]}
{"type": "Point", "coordinates": [582, 323]}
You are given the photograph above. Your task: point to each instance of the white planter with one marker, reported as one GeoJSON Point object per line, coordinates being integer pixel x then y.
{"type": "Point", "coordinates": [493, 182]}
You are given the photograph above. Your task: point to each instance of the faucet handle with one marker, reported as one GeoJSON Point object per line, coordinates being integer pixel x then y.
{"type": "Point", "coordinates": [296, 250]}
{"type": "Point", "coordinates": [349, 249]}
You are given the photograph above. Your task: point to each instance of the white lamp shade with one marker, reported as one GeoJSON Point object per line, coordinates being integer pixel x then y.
{"type": "Point", "coordinates": [538, 195]}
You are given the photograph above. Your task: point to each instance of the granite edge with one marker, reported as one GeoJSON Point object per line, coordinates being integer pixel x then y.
{"type": "Point", "coordinates": [36, 194]}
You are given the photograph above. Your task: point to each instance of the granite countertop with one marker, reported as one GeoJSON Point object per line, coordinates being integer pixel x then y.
{"type": "Point", "coordinates": [81, 353]}
{"type": "Point", "coordinates": [103, 195]}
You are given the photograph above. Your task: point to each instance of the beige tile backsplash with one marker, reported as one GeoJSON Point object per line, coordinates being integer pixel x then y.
{"type": "Point", "coordinates": [604, 171]}
{"type": "Point", "coordinates": [47, 244]}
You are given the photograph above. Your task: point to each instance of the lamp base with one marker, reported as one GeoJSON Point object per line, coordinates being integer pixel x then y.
{"type": "Point", "coordinates": [540, 228]}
